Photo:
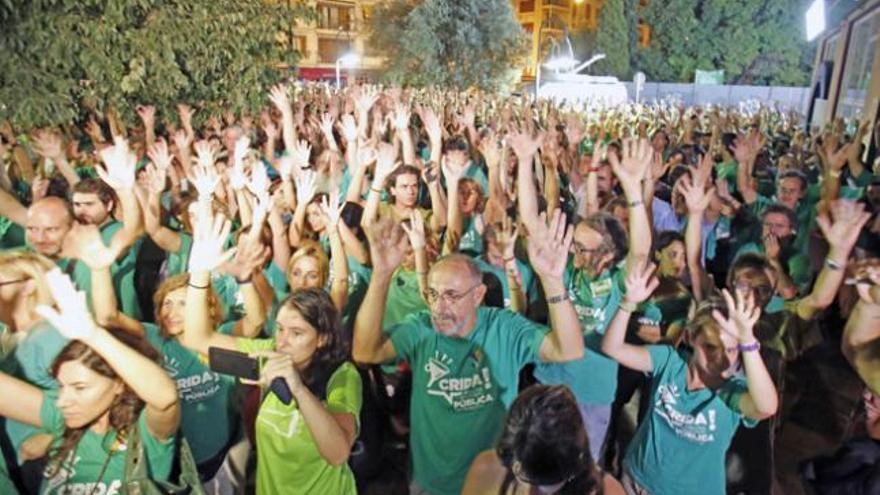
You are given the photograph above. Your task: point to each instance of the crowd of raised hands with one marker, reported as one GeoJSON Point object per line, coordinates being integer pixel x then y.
{"type": "Point", "coordinates": [387, 180]}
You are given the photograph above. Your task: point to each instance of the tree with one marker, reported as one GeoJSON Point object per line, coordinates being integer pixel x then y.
{"type": "Point", "coordinates": [613, 38]}
{"type": "Point", "coordinates": [63, 56]}
{"type": "Point", "coordinates": [452, 43]}
{"type": "Point", "coordinates": [753, 41]}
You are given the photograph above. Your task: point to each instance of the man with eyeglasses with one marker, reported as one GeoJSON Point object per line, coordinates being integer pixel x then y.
{"type": "Point", "coordinates": [465, 358]}
{"type": "Point", "coordinates": [594, 277]}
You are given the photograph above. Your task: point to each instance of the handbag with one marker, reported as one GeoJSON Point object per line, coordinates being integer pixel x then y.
{"type": "Point", "coordinates": [138, 482]}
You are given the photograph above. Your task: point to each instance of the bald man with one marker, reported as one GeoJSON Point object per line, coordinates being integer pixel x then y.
{"type": "Point", "coordinates": [465, 357]}
{"type": "Point", "coordinates": [46, 224]}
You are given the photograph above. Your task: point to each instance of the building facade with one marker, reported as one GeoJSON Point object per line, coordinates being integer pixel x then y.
{"type": "Point", "coordinates": [340, 29]}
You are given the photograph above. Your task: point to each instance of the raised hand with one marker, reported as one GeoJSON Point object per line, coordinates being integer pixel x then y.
{"type": "Point", "coordinates": [415, 231]}
{"type": "Point", "coordinates": [205, 180]}
{"type": "Point", "coordinates": [209, 237]}
{"type": "Point", "coordinates": [366, 99]}
{"type": "Point", "coordinates": [848, 219]}
{"type": "Point", "coordinates": [159, 155]}
{"type": "Point", "coordinates": [401, 117]}
{"type": "Point", "coordinates": [695, 197]}
{"type": "Point", "coordinates": [630, 167]}
{"type": "Point", "coordinates": [279, 98]}
{"type": "Point", "coordinates": [206, 154]}
{"type": "Point", "coordinates": [48, 144]}
{"type": "Point", "coordinates": [301, 153]}
{"type": "Point", "coordinates": [185, 112]}
{"type": "Point", "coordinates": [182, 140]}
{"type": "Point", "coordinates": [305, 186]}
{"type": "Point", "coordinates": [259, 183]}
{"type": "Point", "coordinates": [386, 162]}
{"type": "Point", "coordinates": [490, 148]}
{"type": "Point", "coordinates": [147, 113]}
{"type": "Point", "coordinates": [549, 244]}
{"type": "Point", "coordinates": [326, 124]}
{"type": "Point", "coordinates": [120, 165]}
{"type": "Point", "coordinates": [641, 283]}
{"type": "Point", "coordinates": [156, 178]}
{"type": "Point", "coordinates": [742, 314]}
{"type": "Point", "coordinates": [349, 128]}
{"type": "Point", "coordinates": [525, 145]}
{"type": "Point", "coordinates": [433, 125]}
{"type": "Point", "coordinates": [242, 148]}
{"type": "Point", "coordinates": [506, 238]}
{"type": "Point", "coordinates": [84, 243]}
{"type": "Point", "coordinates": [388, 245]}
{"type": "Point", "coordinates": [331, 209]}
{"type": "Point", "coordinates": [454, 167]}
{"type": "Point", "coordinates": [72, 317]}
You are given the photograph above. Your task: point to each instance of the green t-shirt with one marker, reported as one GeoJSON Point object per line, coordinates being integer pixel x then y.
{"type": "Point", "coordinates": [806, 219]}
{"type": "Point", "coordinates": [6, 485]}
{"type": "Point", "coordinates": [31, 361]}
{"type": "Point", "coordinates": [404, 298]}
{"type": "Point", "coordinates": [471, 240]}
{"type": "Point", "coordinates": [461, 389]}
{"type": "Point", "coordinates": [288, 458]}
{"type": "Point", "coordinates": [593, 378]}
{"type": "Point", "coordinates": [12, 236]}
{"type": "Point", "coordinates": [680, 445]}
{"type": "Point", "coordinates": [81, 471]}
{"type": "Point", "coordinates": [358, 281]}
{"type": "Point", "coordinates": [176, 262]}
{"type": "Point", "coordinates": [205, 397]}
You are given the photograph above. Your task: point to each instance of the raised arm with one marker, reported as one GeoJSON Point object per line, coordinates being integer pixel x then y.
{"type": "Point", "coordinates": [860, 336]}
{"type": "Point", "coordinates": [385, 164]}
{"type": "Point", "coordinates": [146, 378]}
{"type": "Point", "coordinates": [548, 252]}
{"type": "Point", "coordinates": [640, 284]}
{"type": "Point", "coordinates": [387, 248]}
{"type": "Point", "coordinates": [630, 169]}
{"type": "Point", "coordinates": [848, 219]}
{"type": "Point", "coordinates": [209, 236]}
{"type": "Point", "coordinates": [120, 164]}
{"type": "Point", "coordinates": [697, 199]}
{"type": "Point", "coordinates": [761, 401]}
{"type": "Point", "coordinates": [339, 284]}
{"type": "Point", "coordinates": [525, 146]}
{"type": "Point", "coordinates": [453, 170]}
{"type": "Point", "coordinates": [278, 95]}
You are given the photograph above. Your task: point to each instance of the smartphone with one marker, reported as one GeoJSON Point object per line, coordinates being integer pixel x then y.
{"type": "Point", "coordinates": [233, 363]}
{"type": "Point", "coordinates": [241, 365]}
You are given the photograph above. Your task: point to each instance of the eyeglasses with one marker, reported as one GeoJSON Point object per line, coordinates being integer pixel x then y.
{"type": "Point", "coordinates": [776, 226]}
{"type": "Point", "coordinates": [9, 282]}
{"type": "Point", "coordinates": [449, 297]}
{"type": "Point", "coordinates": [581, 250]}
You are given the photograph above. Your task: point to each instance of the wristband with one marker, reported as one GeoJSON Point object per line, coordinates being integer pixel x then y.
{"type": "Point", "coordinates": [627, 306]}
{"type": "Point", "coordinates": [375, 190]}
{"type": "Point", "coordinates": [633, 204]}
{"type": "Point", "coordinates": [558, 299]}
{"type": "Point", "coordinates": [507, 260]}
{"type": "Point", "coordinates": [198, 286]}
{"type": "Point", "coordinates": [833, 265]}
{"type": "Point", "coordinates": [754, 346]}
{"type": "Point", "coordinates": [834, 173]}
{"type": "Point", "coordinates": [245, 280]}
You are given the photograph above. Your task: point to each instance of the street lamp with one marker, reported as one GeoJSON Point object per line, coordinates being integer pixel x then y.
{"type": "Point", "coordinates": [349, 60]}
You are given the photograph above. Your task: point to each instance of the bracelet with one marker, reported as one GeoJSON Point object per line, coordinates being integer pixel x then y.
{"type": "Point", "coordinates": [627, 306]}
{"type": "Point", "coordinates": [247, 280]}
{"type": "Point", "coordinates": [833, 265]}
{"type": "Point", "coordinates": [512, 258]}
{"type": "Point", "coordinates": [198, 286]}
{"type": "Point", "coordinates": [633, 204]}
{"type": "Point", "coordinates": [558, 299]}
{"type": "Point", "coordinates": [375, 190]}
{"type": "Point", "coordinates": [754, 346]}
{"type": "Point", "coordinates": [834, 173]}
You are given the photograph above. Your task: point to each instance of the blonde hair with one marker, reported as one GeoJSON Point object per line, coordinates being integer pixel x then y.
{"type": "Point", "coordinates": [311, 249]}
{"type": "Point", "coordinates": [27, 265]}
{"type": "Point", "coordinates": [171, 284]}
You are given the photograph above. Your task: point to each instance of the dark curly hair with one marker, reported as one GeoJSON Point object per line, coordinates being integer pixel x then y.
{"type": "Point", "coordinates": [124, 410]}
{"type": "Point", "coordinates": [316, 307]}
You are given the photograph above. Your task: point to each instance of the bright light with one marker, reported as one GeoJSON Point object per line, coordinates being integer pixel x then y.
{"type": "Point", "coordinates": [815, 19]}
{"type": "Point", "coordinates": [349, 59]}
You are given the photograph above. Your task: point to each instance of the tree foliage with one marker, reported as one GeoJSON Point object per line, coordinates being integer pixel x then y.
{"type": "Point", "coordinates": [613, 38]}
{"type": "Point", "coordinates": [753, 41]}
{"type": "Point", "coordinates": [451, 43]}
{"type": "Point", "coordinates": [62, 56]}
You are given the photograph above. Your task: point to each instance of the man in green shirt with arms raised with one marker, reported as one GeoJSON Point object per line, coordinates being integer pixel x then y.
{"type": "Point", "coordinates": [465, 358]}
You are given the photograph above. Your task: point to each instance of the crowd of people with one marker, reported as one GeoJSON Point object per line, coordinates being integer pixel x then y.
{"type": "Point", "coordinates": [476, 284]}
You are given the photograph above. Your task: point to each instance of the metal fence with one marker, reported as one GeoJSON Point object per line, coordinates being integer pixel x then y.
{"type": "Point", "coordinates": [788, 97]}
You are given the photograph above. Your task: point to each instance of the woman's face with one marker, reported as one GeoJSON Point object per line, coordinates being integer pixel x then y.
{"type": "Point", "coordinates": [296, 337]}
{"type": "Point", "coordinates": [715, 360]}
{"type": "Point", "coordinates": [305, 274]}
{"type": "Point", "coordinates": [173, 311]}
{"type": "Point", "coordinates": [672, 260]}
{"type": "Point", "coordinates": [315, 217]}
{"type": "Point", "coordinates": [83, 394]}
{"type": "Point", "coordinates": [469, 197]}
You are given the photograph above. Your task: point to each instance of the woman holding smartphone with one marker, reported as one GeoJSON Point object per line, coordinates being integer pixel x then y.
{"type": "Point", "coordinates": [303, 446]}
